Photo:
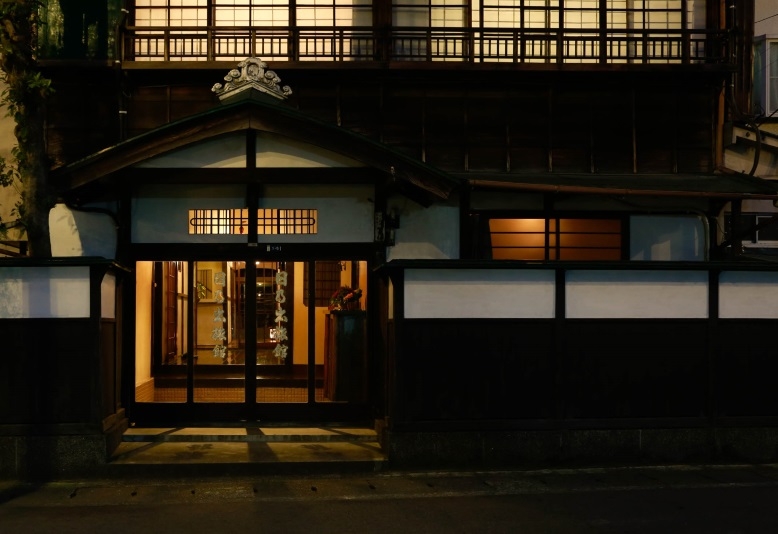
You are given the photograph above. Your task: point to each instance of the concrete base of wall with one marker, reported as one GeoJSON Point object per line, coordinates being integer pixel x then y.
{"type": "Point", "coordinates": [35, 452]}
{"type": "Point", "coordinates": [545, 448]}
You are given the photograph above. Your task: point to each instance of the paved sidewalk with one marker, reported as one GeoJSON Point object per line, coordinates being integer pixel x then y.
{"type": "Point", "coordinates": [382, 485]}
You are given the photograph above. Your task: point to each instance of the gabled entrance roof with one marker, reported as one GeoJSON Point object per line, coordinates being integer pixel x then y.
{"type": "Point", "coordinates": [409, 176]}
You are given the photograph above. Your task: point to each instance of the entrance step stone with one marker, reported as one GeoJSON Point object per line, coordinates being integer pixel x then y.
{"type": "Point", "coordinates": [258, 434]}
{"type": "Point", "coordinates": [240, 451]}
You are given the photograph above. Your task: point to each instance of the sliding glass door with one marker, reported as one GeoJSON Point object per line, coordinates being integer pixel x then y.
{"type": "Point", "coordinates": [242, 338]}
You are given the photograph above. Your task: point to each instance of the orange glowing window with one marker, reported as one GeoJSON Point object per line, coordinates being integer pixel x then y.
{"type": "Point", "coordinates": [556, 239]}
{"type": "Point", "coordinates": [269, 221]}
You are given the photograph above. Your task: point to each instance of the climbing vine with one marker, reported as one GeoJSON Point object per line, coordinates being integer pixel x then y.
{"type": "Point", "coordinates": [24, 97]}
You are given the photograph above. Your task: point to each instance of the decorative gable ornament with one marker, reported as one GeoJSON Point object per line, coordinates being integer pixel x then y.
{"type": "Point", "coordinates": [251, 73]}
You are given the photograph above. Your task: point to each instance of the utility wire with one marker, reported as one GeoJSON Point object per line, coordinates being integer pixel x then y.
{"type": "Point", "coordinates": [764, 19]}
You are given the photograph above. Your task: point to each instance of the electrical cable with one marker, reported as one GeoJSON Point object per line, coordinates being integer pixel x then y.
{"type": "Point", "coordinates": [764, 19]}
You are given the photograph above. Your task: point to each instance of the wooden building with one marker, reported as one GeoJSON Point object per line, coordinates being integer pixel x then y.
{"type": "Point", "coordinates": [530, 197]}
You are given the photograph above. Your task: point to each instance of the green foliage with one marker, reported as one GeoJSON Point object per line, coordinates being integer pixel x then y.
{"type": "Point", "coordinates": [24, 97]}
{"type": "Point", "coordinates": [8, 173]}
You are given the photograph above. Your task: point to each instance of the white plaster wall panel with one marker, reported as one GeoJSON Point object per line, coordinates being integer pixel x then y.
{"type": "Point", "coordinates": [227, 152]}
{"type": "Point", "coordinates": [425, 233]}
{"type": "Point", "coordinates": [81, 233]}
{"type": "Point", "coordinates": [346, 212]}
{"type": "Point", "coordinates": [275, 151]}
{"type": "Point", "coordinates": [108, 297]}
{"type": "Point", "coordinates": [12, 292]}
{"type": "Point", "coordinates": [611, 294]}
{"type": "Point", "coordinates": [748, 295]}
{"type": "Point", "coordinates": [160, 213]}
{"type": "Point", "coordinates": [475, 293]}
{"type": "Point", "coordinates": [764, 16]}
{"type": "Point", "coordinates": [44, 292]}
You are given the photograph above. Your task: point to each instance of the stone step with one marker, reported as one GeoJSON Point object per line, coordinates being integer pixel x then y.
{"type": "Point", "coordinates": [250, 435]}
{"type": "Point", "coordinates": [207, 458]}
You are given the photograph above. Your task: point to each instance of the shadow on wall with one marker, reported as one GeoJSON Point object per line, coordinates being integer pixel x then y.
{"type": "Point", "coordinates": [81, 233]}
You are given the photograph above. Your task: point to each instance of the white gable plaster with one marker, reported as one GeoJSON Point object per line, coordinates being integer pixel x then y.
{"type": "Point", "coordinates": [278, 151]}
{"type": "Point", "coordinates": [227, 152]}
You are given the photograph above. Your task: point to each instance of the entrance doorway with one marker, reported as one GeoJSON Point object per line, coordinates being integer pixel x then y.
{"type": "Point", "coordinates": [222, 340]}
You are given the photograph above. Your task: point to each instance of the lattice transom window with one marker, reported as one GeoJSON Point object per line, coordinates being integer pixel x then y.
{"type": "Point", "coordinates": [287, 221]}
{"type": "Point", "coordinates": [219, 222]}
{"type": "Point", "coordinates": [270, 221]}
{"type": "Point", "coordinates": [556, 239]}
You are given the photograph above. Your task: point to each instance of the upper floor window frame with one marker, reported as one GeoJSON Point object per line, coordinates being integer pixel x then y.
{"type": "Point", "coordinates": [765, 76]}
{"type": "Point", "coordinates": [251, 13]}
{"type": "Point", "coordinates": [516, 14]}
{"type": "Point", "coordinates": [518, 31]}
{"type": "Point", "coordinates": [171, 13]}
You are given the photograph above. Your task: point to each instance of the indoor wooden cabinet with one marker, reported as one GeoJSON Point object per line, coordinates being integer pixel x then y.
{"type": "Point", "coordinates": [345, 362]}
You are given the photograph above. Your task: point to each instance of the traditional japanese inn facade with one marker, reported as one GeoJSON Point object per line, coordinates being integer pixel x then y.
{"type": "Point", "coordinates": [499, 233]}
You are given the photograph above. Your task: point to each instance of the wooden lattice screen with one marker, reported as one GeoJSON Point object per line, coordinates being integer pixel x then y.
{"type": "Point", "coordinates": [327, 282]}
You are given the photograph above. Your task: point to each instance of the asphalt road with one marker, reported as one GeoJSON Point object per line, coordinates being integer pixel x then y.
{"type": "Point", "coordinates": [676, 499]}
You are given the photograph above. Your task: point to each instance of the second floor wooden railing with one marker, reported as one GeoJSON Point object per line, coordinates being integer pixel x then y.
{"type": "Point", "coordinates": [468, 45]}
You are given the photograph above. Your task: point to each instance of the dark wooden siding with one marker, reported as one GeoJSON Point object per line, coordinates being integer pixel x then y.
{"type": "Point", "coordinates": [747, 363]}
{"type": "Point", "coordinates": [479, 370]}
{"type": "Point", "coordinates": [455, 370]}
{"type": "Point", "coordinates": [82, 115]}
{"type": "Point", "coordinates": [109, 377]}
{"type": "Point", "coordinates": [498, 122]}
{"type": "Point", "coordinates": [46, 371]}
{"type": "Point", "coordinates": [626, 369]}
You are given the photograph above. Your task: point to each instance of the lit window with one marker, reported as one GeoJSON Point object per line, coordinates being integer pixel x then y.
{"type": "Point", "coordinates": [219, 222]}
{"type": "Point", "coordinates": [171, 13]}
{"type": "Point", "coordinates": [269, 221]}
{"type": "Point", "coordinates": [280, 221]}
{"type": "Point", "coordinates": [555, 239]}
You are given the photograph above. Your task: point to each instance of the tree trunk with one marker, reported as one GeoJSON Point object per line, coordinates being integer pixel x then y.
{"type": "Point", "coordinates": [38, 196]}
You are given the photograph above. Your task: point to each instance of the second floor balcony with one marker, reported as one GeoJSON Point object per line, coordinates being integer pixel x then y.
{"type": "Point", "coordinates": [527, 47]}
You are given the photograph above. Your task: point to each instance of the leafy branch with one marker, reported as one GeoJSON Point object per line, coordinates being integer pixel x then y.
{"type": "Point", "coordinates": [25, 97]}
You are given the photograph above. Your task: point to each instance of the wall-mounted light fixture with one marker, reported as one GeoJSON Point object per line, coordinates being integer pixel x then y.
{"type": "Point", "coordinates": [391, 223]}
{"type": "Point", "coordinates": [384, 227]}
